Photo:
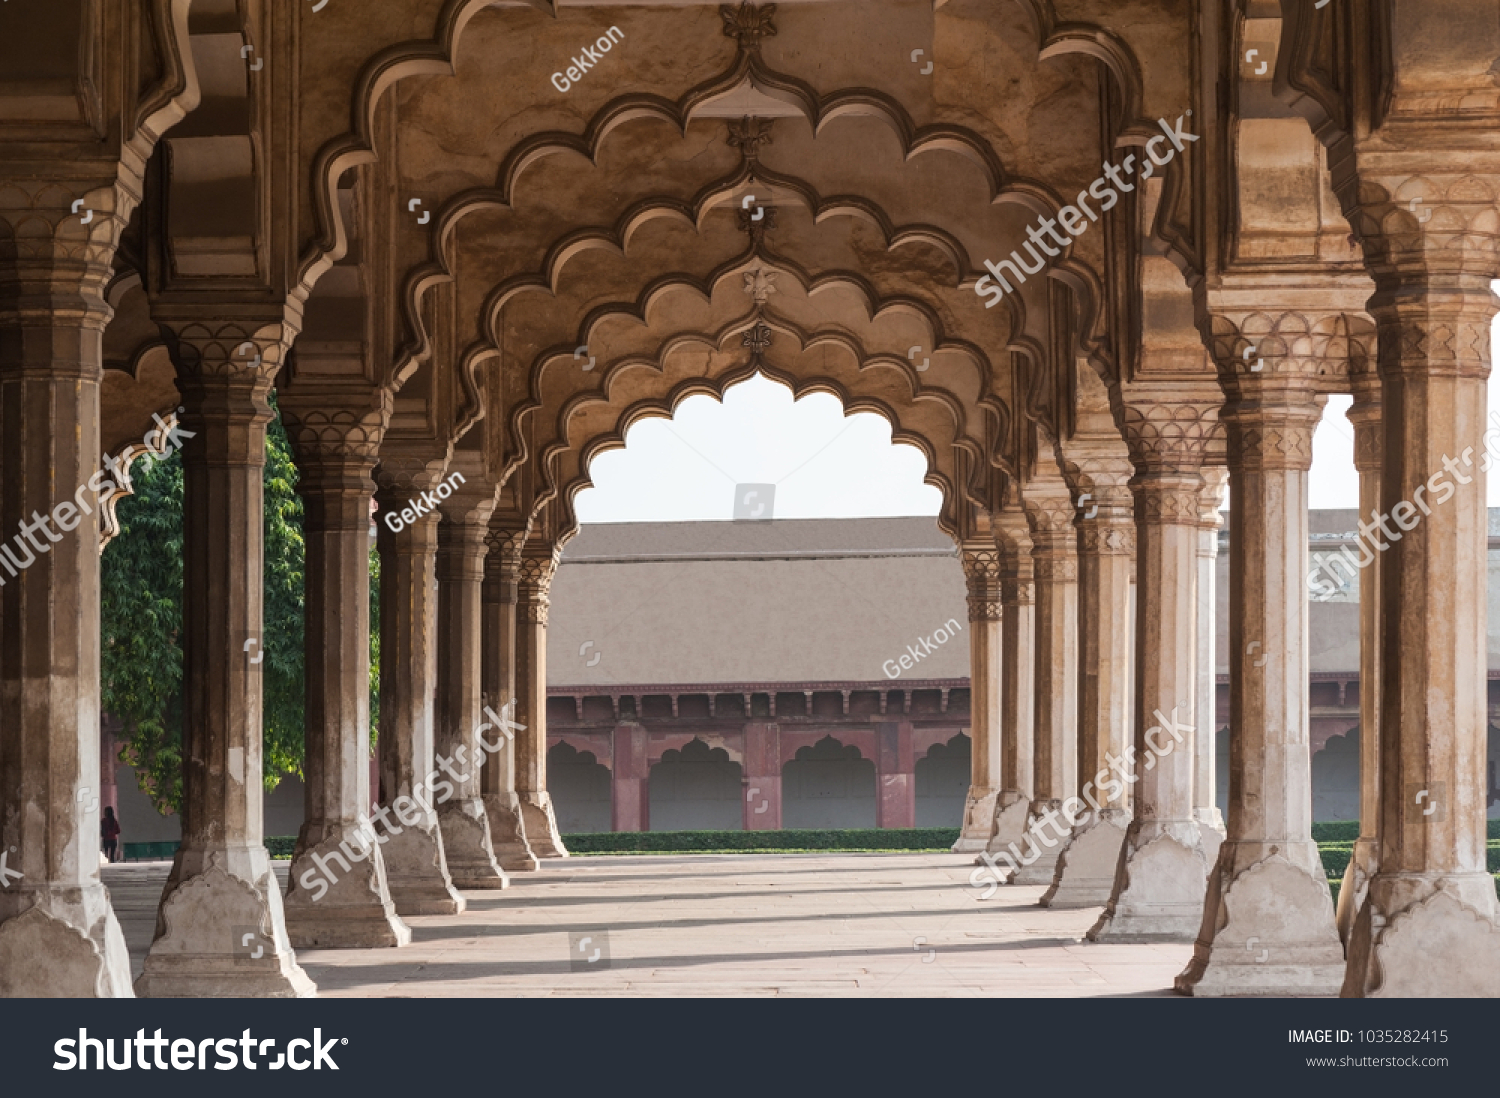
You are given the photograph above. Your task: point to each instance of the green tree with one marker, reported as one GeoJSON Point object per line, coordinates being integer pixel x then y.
{"type": "Point", "coordinates": [141, 647]}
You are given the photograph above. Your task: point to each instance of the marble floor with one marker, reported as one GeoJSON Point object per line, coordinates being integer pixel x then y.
{"type": "Point", "coordinates": [732, 925]}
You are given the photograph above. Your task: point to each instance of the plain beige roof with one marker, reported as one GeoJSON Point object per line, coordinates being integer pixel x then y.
{"type": "Point", "coordinates": [785, 600]}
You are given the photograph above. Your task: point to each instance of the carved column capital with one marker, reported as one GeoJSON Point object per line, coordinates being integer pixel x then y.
{"type": "Point", "coordinates": [1169, 436]}
{"type": "Point", "coordinates": [538, 566]}
{"type": "Point", "coordinates": [981, 562]}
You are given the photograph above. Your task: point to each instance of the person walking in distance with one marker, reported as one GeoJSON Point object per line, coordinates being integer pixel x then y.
{"type": "Point", "coordinates": [109, 832]}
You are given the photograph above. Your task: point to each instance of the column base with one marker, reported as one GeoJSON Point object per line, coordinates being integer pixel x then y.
{"type": "Point", "coordinates": [1038, 859]}
{"type": "Point", "coordinates": [1363, 862]}
{"type": "Point", "coordinates": [1268, 925]}
{"type": "Point", "coordinates": [416, 870]}
{"type": "Point", "coordinates": [466, 845]}
{"type": "Point", "coordinates": [1159, 885]}
{"type": "Point", "coordinates": [337, 896]}
{"type": "Point", "coordinates": [220, 932]}
{"type": "Point", "coordinates": [508, 833]}
{"type": "Point", "coordinates": [1425, 936]}
{"type": "Point", "coordinates": [1211, 830]}
{"type": "Point", "coordinates": [1012, 814]}
{"type": "Point", "coordinates": [66, 944]}
{"type": "Point", "coordinates": [979, 820]}
{"type": "Point", "coordinates": [1086, 866]}
{"type": "Point", "coordinates": [541, 825]}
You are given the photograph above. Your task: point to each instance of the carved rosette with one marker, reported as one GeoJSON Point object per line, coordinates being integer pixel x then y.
{"type": "Point", "coordinates": [748, 24]}
{"type": "Point", "coordinates": [749, 135]}
{"type": "Point", "coordinates": [981, 564]}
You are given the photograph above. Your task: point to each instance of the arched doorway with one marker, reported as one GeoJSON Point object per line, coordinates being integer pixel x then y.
{"type": "Point", "coordinates": [580, 787]}
{"type": "Point", "coordinates": [943, 783]}
{"type": "Point", "coordinates": [695, 789]}
{"type": "Point", "coordinates": [828, 785]}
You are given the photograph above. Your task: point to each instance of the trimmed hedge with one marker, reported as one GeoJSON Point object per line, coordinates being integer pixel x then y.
{"type": "Point", "coordinates": [670, 842]}
{"type": "Point", "coordinates": [281, 846]}
{"type": "Point", "coordinates": [1346, 831]}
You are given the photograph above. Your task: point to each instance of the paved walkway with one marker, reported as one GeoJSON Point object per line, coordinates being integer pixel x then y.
{"type": "Point", "coordinates": [810, 924]}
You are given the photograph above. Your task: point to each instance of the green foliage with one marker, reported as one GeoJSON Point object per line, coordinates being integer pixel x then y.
{"type": "Point", "coordinates": [142, 623]}
{"type": "Point", "coordinates": [282, 670]}
{"type": "Point", "coordinates": [604, 842]}
{"type": "Point", "coordinates": [1342, 831]}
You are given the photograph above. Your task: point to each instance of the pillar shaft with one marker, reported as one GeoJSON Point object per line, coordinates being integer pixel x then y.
{"type": "Point", "coordinates": [538, 565]}
{"type": "Point", "coordinates": [630, 779]}
{"type": "Point", "coordinates": [982, 574]}
{"type": "Point", "coordinates": [1205, 703]}
{"type": "Point", "coordinates": [416, 864]}
{"type": "Point", "coordinates": [1268, 926]}
{"type": "Point", "coordinates": [221, 904]}
{"type": "Point", "coordinates": [458, 711]}
{"type": "Point", "coordinates": [1364, 415]}
{"type": "Point", "coordinates": [502, 576]}
{"type": "Point", "coordinates": [58, 933]}
{"type": "Point", "coordinates": [895, 775]}
{"type": "Point", "coordinates": [337, 893]}
{"type": "Point", "coordinates": [762, 806]}
{"type": "Point", "coordinates": [1055, 562]}
{"type": "Point", "coordinates": [1017, 660]}
{"type": "Point", "coordinates": [1158, 892]}
{"type": "Point", "coordinates": [1106, 562]}
{"type": "Point", "coordinates": [1428, 925]}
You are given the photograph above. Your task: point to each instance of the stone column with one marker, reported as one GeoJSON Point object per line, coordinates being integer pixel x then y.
{"type": "Point", "coordinates": [337, 893]}
{"type": "Point", "coordinates": [630, 780]}
{"type": "Point", "coordinates": [415, 863]}
{"type": "Point", "coordinates": [982, 574]}
{"type": "Point", "coordinates": [220, 930]}
{"type": "Point", "coordinates": [1159, 883]}
{"type": "Point", "coordinates": [762, 807]}
{"type": "Point", "coordinates": [457, 713]}
{"type": "Point", "coordinates": [895, 775]}
{"type": "Point", "coordinates": [1268, 925]}
{"type": "Point", "coordinates": [1205, 704]}
{"type": "Point", "coordinates": [538, 565]}
{"type": "Point", "coordinates": [1055, 559]}
{"type": "Point", "coordinates": [1364, 414]}
{"type": "Point", "coordinates": [1428, 925]}
{"type": "Point", "coordinates": [502, 579]}
{"type": "Point", "coordinates": [1017, 641]}
{"type": "Point", "coordinates": [58, 933]}
{"type": "Point", "coordinates": [1106, 562]}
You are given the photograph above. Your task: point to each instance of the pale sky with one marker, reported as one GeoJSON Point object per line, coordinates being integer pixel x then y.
{"type": "Point", "coordinates": [824, 464]}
